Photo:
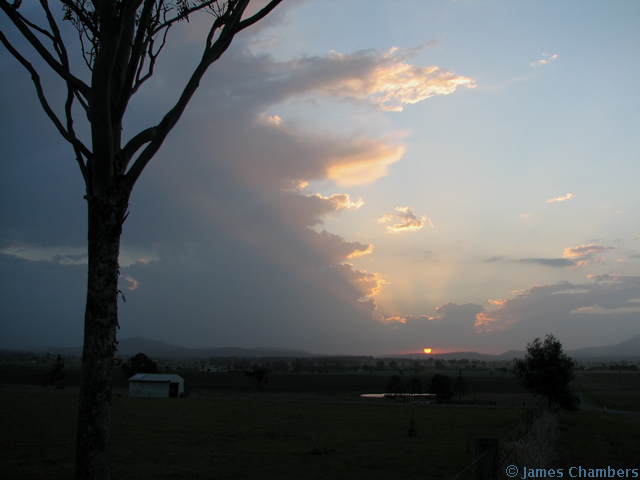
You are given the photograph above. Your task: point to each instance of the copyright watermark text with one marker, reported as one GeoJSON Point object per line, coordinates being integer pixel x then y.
{"type": "Point", "coordinates": [572, 472]}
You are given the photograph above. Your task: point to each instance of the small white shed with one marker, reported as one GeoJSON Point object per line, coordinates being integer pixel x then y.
{"type": "Point", "coordinates": [156, 385]}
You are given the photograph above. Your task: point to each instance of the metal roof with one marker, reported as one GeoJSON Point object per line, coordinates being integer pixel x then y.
{"type": "Point", "coordinates": [155, 377]}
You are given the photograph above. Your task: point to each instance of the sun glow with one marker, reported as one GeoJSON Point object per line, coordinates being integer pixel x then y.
{"type": "Point", "coordinates": [427, 351]}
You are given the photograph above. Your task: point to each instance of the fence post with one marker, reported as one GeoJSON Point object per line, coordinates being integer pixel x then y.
{"type": "Point", "coordinates": [486, 469]}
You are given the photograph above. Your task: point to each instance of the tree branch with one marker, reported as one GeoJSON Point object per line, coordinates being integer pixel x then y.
{"type": "Point", "coordinates": [258, 16]}
{"type": "Point", "coordinates": [55, 36]}
{"type": "Point", "coordinates": [67, 135]}
{"type": "Point", "coordinates": [182, 16]}
{"type": "Point", "coordinates": [64, 73]}
{"type": "Point", "coordinates": [135, 58]}
{"type": "Point", "coordinates": [81, 16]}
{"type": "Point", "coordinates": [210, 55]}
{"type": "Point", "coordinates": [134, 145]}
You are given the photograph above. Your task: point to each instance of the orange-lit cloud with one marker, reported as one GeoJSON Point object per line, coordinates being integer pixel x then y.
{"type": "Point", "coordinates": [585, 254]}
{"type": "Point", "coordinates": [270, 120]}
{"type": "Point", "coordinates": [368, 161]}
{"type": "Point", "coordinates": [361, 252]}
{"type": "Point", "coordinates": [546, 59]}
{"type": "Point", "coordinates": [387, 81]}
{"type": "Point", "coordinates": [393, 319]}
{"type": "Point", "coordinates": [561, 199]}
{"type": "Point", "coordinates": [499, 302]}
{"type": "Point", "coordinates": [340, 201]}
{"type": "Point", "coordinates": [407, 221]}
{"type": "Point", "coordinates": [369, 283]}
{"type": "Point", "coordinates": [583, 251]}
{"type": "Point", "coordinates": [133, 283]}
{"type": "Point", "coordinates": [486, 322]}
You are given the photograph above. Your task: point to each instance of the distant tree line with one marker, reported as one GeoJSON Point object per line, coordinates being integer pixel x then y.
{"type": "Point", "coordinates": [444, 387]}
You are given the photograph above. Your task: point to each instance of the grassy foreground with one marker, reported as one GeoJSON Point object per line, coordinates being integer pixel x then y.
{"type": "Point", "coordinates": [230, 439]}
{"type": "Point", "coordinates": [596, 439]}
{"type": "Point", "coordinates": [619, 390]}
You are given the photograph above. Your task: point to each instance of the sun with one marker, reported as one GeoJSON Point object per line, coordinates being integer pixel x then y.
{"type": "Point", "coordinates": [427, 351]}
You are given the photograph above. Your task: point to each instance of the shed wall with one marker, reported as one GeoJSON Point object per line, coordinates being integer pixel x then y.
{"type": "Point", "coordinates": [149, 389]}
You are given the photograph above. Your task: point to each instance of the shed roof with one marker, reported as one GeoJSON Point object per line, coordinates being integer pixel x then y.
{"type": "Point", "coordinates": [155, 377]}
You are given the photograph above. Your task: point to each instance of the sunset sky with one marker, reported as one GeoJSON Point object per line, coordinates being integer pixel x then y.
{"type": "Point", "coordinates": [354, 177]}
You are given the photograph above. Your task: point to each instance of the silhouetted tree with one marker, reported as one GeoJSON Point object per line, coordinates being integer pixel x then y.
{"type": "Point", "coordinates": [546, 370]}
{"type": "Point", "coordinates": [460, 386]}
{"type": "Point", "coordinates": [139, 363]}
{"type": "Point", "coordinates": [395, 385]}
{"type": "Point", "coordinates": [260, 376]}
{"type": "Point", "coordinates": [414, 386]}
{"type": "Point", "coordinates": [442, 386]}
{"type": "Point", "coordinates": [56, 375]}
{"type": "Point", "coordinates": [120, 42]}
{"type": "Point", "coordinates": [417, 366]}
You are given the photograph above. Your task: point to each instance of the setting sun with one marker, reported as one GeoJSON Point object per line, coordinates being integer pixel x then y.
{"type": "Point", "coordinates": [427, 350]}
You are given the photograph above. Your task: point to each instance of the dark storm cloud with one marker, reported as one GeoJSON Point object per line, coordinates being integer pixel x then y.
{"type": "Point", "coordinates": [218, 246]}
{"type": "Point", "coordinates": [545, 262]}
{"type": "Point", "coordinates": [550, 262]}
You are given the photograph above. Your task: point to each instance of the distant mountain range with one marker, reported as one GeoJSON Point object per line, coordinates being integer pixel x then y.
{"type": "Point", "coordinates": [155, 348]}
{"type": "Point", "coordinates": [627, 350]}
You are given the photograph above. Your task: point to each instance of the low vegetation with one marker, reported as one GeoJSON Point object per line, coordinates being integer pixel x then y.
{"type": "Point", "coordinates": [229, 439]}
{"type": "Point", "coordinates": [314, 425]}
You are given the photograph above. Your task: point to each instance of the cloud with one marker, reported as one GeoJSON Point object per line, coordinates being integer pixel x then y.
{"type": "Point", "coordinates": [381, 79]}
{"type": "Point", "coordinates": [340, 200]}
{"type": "Point", "coordinates": [545, 262]}
{"type": "Point", "coordinates": [545, 60]}
{"type": "Point", "coordinates": [55, 254]}
{"type": "Point", "coordinates": [451, 327]}
{"type": "Point", "coordinates": [387, 81]}
{"type": "Point", "coordinates": [557, 307]}
{"type": "Point", "coordinates": [584, 251]}
{"type": "Point", "coordinates": [71, 255]}
{"type": "Point", "coordinates": [560, 199]}
{"type": "Point", "coordinates": [606, 305]}
{"type": "Point", "coordinates": [550, 262]}
{"type": "Point", "coordinates": [585, 254]}
{"type": "Point", "coordinates": [371, 78]}
{"type": "Point", "coordinates": [133, 283]}
{"type": "Point", "coordinates": [368, 161]}
{"type": "Point", "coordinates": [407, 221]}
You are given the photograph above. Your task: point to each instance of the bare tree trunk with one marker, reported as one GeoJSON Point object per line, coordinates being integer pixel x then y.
{"type": "Point", "coordinates": [106, 214]}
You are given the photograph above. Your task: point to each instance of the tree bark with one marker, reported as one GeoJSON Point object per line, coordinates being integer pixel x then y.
{"type": "Point", "coordinates": [106, 214]}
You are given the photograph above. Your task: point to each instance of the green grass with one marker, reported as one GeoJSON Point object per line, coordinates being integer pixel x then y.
{"type": "Point", "coordinates": [230, 439]}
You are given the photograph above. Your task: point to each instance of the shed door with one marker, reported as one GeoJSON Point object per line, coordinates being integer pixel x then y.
{"type": "Point", "coordinates": [174, 387]}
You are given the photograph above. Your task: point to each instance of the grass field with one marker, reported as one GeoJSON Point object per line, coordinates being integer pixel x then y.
{"type": "Point", "coordinates": [312, 426]}
{"type": "Point", "coordinates": [595, 439]}
{"type": "Point", "coordinates": [618, 390]}
{"type": "Point", "coordinates": [230, 439]}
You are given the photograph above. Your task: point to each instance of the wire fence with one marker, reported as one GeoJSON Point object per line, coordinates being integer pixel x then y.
{"type": "Point", "coordinates": [491, 456]}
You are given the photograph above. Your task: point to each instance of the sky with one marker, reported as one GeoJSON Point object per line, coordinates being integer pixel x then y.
{"type": "Point", "coordinates": [353, 177]}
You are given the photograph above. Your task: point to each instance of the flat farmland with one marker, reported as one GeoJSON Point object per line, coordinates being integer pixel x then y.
{"type": "Point", "coordinates": [499, 388]}
{"type": "Point", "coordinates": [200, 438]}
{"type": "Point", "coordinates": [304, 425]}
{"type": "Point", "coordinates": [617, 390]}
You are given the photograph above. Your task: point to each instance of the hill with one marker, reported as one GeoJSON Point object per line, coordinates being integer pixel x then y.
{"type": "Point", "coordinates": [627, 350]}
{"type": "Point", "coordinates": [159, 349]}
